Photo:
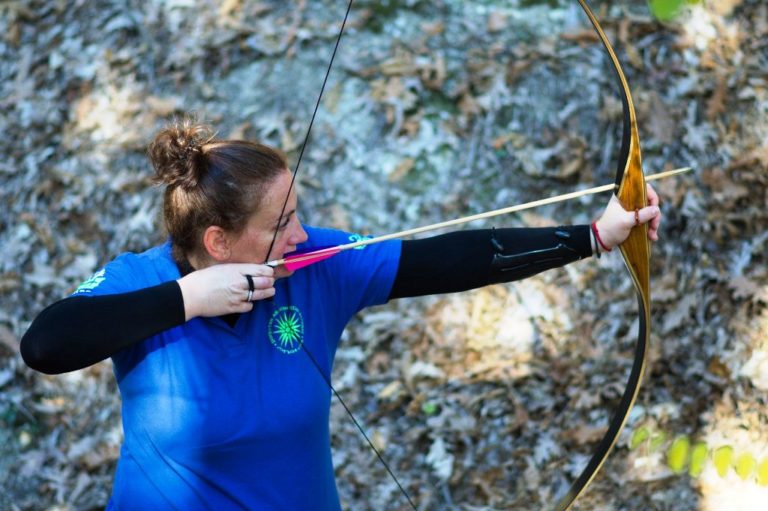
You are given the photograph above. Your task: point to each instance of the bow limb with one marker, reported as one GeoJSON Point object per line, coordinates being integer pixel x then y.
{"type": "Point", "coordinates": [630, 189]}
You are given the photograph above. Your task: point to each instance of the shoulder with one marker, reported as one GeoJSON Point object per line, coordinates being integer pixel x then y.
{"type": "Point", "coordinates": [130, 271]}
{"type": "Point", "coordinates": [364, 260]}
{"type": "Point", "coordinates": [320, 237]}
{"type": "Point", "coordinates": [353, 279]}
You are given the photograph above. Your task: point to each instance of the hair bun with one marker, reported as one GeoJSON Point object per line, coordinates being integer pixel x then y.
{"type": "Point", "coordinates": [176, 153]}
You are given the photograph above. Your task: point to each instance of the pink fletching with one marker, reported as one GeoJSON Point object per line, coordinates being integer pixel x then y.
{"type": "Point", "coordinates": [294, 262]}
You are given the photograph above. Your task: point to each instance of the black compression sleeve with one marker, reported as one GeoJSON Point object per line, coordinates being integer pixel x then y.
{"type": "Point", "coordinates": [79, 331]}
{"type": "Point", "coordinates": [461, 260]}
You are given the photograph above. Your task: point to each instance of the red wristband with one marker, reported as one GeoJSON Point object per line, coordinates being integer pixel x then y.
{"type": "Point", "coordinates": [597, 237]}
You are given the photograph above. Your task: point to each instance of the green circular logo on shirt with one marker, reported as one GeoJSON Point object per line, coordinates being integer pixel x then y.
{"type": "Point", "coordinates": [286, 329]}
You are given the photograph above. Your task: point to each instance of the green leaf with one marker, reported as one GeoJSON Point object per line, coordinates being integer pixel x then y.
{"type": "Point", "coordinates": [698, 459]}
{"type": "Point", "coordinates": [745, 465]}
{"type": "Point", "coordinates": [638, 437]}
{"type": "Point", "coordinates": [429, 408]}
{"type": "Point", "coordinates": [762, 473]}
{"type": "Point", "coordinates": [666, 10]}
{"type": "Point", "coordinates": [723, 457]}
{"type": "Point", "coordinates": [677, 455]}
{"type": "Point", "coordinates": [657, 441]}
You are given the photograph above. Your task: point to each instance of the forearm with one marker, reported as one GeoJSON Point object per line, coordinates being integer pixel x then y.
{"type": "Point", "coordinates": [470, 259]}
{"type": "Point", "coordinates": [81, 330]}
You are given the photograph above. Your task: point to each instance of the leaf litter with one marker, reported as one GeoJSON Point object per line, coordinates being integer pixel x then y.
{"type": "Point", "coordinates": [491, 399]}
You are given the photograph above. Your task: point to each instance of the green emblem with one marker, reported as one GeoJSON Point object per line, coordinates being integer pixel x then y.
{"type": "Point", "coordinates": [92, 283]}
{"type": "Point", "coordinates": [354, 238]}
{"type": "Point", "coordinates": [286, 329]}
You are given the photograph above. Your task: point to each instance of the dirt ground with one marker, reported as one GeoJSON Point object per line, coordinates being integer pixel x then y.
{"type": "Point", "coordinates": [490, 399]}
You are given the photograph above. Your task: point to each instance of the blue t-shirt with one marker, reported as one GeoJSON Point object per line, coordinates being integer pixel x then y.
{"type": "Point", "coordinates": [218, 417]}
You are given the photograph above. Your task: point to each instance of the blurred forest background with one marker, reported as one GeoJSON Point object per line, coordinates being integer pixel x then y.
{"type": "Point", "coordinates": [491, 399]}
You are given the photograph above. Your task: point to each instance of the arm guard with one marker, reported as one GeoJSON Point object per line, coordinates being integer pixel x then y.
{"type": "Point", "coordinates": [506, 267]}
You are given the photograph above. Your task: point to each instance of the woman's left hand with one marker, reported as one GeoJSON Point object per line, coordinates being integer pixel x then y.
{"type": "Point", "coordinates": [616, 222]}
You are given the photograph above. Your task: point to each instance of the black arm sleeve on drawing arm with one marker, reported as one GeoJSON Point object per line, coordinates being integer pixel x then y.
{"type": "Point", "coordinates": [464, 260]}
{"type": "Point", "coordinates": [79, 331]}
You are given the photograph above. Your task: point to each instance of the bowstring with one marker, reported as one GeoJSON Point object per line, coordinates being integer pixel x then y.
{"type": "Point", "coordinates": [309, 130]}
{"type": "Point", "coordinates": [359, 427]}
{"type": "Point", "coordinates": [325, 378]}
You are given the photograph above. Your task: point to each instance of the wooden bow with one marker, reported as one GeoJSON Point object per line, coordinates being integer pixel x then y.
{"type": "Point", "coordinates": [631, 192]}
{"type": "Point", "coordinates": [630, 189]}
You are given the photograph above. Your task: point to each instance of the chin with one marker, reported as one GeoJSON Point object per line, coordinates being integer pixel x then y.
{"type": "Point", "coordinates": [281, 273]}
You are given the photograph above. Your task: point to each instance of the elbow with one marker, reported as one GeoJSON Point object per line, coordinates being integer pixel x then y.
{"type": "Point", "coordinates": [53, 344]}
{"type": "Point", "coordinates": [34, 353]}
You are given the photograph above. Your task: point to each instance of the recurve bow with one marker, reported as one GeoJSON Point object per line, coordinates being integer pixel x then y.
{"type": "Point", "coordinates": [630, 189]}
{"type": "Point", "coordinates": [636, 251]}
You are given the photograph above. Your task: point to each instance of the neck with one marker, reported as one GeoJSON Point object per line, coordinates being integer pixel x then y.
{"type": "Point", "coordinates": [188, 263]}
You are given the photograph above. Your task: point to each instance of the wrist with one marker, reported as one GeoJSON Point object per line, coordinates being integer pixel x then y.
{"type": "Point", "coordinates": [598, 231]}
{"type": "Point", "coordinates": [593, 243]}
{"type": "Point", "coordinates": [190, 310]}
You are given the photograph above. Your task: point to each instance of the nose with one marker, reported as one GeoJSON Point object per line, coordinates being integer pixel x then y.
{"type": "Point", "coordinates": [299, 235]}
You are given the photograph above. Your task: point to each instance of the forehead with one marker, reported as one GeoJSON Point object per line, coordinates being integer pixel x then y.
{"type": "Point", "coordinates": [275, 197]}
{"type": "Point", "coordinates": [277, 192]}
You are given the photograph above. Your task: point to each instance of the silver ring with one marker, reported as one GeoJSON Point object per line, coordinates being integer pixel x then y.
{"type": "Point", "coordinates": [251, 287]}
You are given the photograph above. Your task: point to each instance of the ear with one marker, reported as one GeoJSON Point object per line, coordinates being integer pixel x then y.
{"type": "Point", "coordinates": [217, 243]}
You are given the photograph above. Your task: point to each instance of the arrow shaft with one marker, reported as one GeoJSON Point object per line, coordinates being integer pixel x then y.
{"type": "Point", "coordinates": [481, 216]}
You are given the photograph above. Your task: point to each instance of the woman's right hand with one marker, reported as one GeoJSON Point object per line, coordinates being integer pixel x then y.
{"type": "Point", "coordinates": [223, 289]}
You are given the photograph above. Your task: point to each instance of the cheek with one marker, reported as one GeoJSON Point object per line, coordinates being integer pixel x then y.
{"type": "Point", "coordinates": [287, 238]}
{"type": "Point", "coordinates": [251, 245]}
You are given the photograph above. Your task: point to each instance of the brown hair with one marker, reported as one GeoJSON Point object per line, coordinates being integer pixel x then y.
{"type": "Point", "coordinates": [209, 181]}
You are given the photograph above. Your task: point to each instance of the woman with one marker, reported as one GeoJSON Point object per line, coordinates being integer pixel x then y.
{"type": "Point", "coordinates": [220, 408]}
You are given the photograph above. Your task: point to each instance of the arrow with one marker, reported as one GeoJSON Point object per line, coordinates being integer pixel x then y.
{"type": "Point", "coordinates": [296, 260]}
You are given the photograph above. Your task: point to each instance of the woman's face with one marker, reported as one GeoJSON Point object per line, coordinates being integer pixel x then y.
{"type": "Point", "coordinates": [253, 243]}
